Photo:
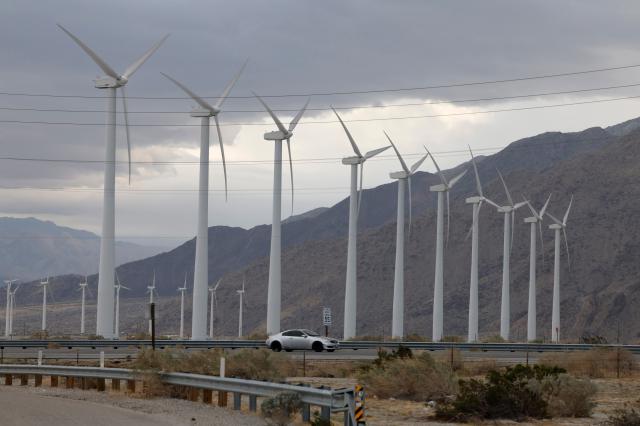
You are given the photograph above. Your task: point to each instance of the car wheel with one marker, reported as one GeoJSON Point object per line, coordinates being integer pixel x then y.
{"type": "Point", "coordinates": [317, 346]}
{"type": "Point", "coordinates": [330, 350]}
{"type": "Point", "coordinates": [276, 347]}
{"type": "Point", "coordinates": [288, 350]}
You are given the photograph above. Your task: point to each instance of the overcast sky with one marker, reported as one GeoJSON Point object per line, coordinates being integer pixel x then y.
{"type": "Point", "coordinates": [293, 47]}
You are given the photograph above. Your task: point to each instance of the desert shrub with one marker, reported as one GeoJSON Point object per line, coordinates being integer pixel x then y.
{"type": "Point", "coordinates": [175, 360]}
{"type": "Point", "coordinates": [279, 409]}
{"type": "Point", "coordinates": [415, 338]}
{"type": "Point", "coordinates": [565, 395]}
{"type": "Point", "coordinates": [454, 339]}
{"type": "Point", "coordinates": [501, 395]}
{"type": "Point", "coordinates": [478, 367]}
{"type": "Point", "coordinates": [152, 385]}
{"type": "Point", "coordinates": [261, 364]}
{"type": "Point", "coordinates": [595, 363]}
{"type": "Point", "coordinates": [319, 421]}
{"type": "Point", "coordinates": [417, 378]}
{"type": "Point", "coordinates": [624, 417]}
{"type": "Point", "coordinates": [495, 338]}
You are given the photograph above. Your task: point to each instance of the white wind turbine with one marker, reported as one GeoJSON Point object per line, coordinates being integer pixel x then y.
{"type": "Point", "coordinates": [557, 226]}
{"type": "Point", "coordinates": [351, 288]}
{"type": "Point", "coordinates": [275, 251]}
{"type": "Point", "coordinates": [83, 288]}
{"type": "Point", "coordinates": [117, 320]}
{"type": "Point", "coordinates": [476, 201]}
{"type": "Point", "coordinates": [535, 219]}
{"type": "Point", "coordinates": [214, 305]}
{"type": "Point", "coordinates": [438, 288]}
{"type": "Point", "coordinates": [12, 305]}
{"type": "Point", "coordinates": [201, 273]}
{"type": "Point", "coordinates": [242, 301]}
{"type": "Point", "coordinates": [182, 290]}
{"type": "Point", "coordinates": [111, 81]}
{"type": "Point", "coordinates": [507, 242]}
{"type": "Point", "coordinates": [403, 177]}
{"type": "Point", "coordinates": [7, 312]}
{"type": "Point", "coordinates": [151, 289]}
{"type": "Point", "coordinates": [44, 284]}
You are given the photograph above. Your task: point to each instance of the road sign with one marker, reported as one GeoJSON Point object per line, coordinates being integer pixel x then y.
{"type": "Point", "coordinates": [326, 316]}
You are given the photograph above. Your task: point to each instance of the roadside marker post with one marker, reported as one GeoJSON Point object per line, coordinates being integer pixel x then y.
{"type": "Point", "coordinates": [326, 320]}
{"type": "Point", "coordinates": [359, 399]}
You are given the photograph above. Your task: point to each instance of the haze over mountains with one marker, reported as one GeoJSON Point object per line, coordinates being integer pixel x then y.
{"type": "Point", "coordinates": [599, 289]}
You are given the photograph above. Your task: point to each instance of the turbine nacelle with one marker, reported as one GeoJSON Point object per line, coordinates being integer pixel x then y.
{"type": "Point", "coordinates": [474, 200]}
{"type": "Point", "coordinates": [505, 209]}
{"type": "Point", "coordinates": [353, 160]}
{"type": "Point", "coordinates": [555, 226]}
{"type": "Point", "coordinates": [202, 112]}
{"type": "Point", "coordinates": [108, 82]}
{"type": "Point", "coordinates": [398, 175]}
{"type": "Point", "coordinates": [438, 188]}
{"type": "Point", "coordinates": [531, 219]}
{"type": "Point", "coordinates": [277, 135]}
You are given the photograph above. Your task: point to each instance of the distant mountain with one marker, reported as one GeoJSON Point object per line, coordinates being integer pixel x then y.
{"type": "Point", "coordinates": [600, 288]}
{"type": "Point", "coordinates": [32, 248]}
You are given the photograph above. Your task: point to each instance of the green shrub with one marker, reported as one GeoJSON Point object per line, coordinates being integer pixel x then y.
{"type": "Point", "coordinates": [417, 378]}
{"type": "Point", "coordinates": [502, 395]}
{"type": "Point", "coordinates": [566, 396]}
{"type": "Point", "coordinates": [279, 409]}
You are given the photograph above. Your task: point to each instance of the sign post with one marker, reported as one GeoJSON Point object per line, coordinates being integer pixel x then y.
{"type": "Point", "coordinates": [326, 320]}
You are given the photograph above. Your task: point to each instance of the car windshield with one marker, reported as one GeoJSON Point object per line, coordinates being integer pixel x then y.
{"type": "Point", "coordinates": [310, 333]}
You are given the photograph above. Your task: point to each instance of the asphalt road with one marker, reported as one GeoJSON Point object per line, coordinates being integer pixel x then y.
{"type": "Point", "coordinates": [31, 409]}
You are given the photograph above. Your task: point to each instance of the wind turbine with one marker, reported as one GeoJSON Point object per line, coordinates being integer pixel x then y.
{"type": "Point", "coordinates": [557, 226]}
{"type": "Point", "coordinates": [151, 289]}
{"type": "Point", "coordinates": [201, 273]}
{"type": "Point", "coordinates": [7, 313]}
{"type": "Point", "coordinates": [351, 289]}
{"type": "Point", "coordinates": [44, 284]}
{"type": "Point", "coordinates": [476, 201]}
{"type": "Point", "coordinates": [117, 321]}
{"type": "Point", "coordinates": [241, 294]}
{"type": "Point", "coordinates": [403, 177]}
{"type": "Point", "coordinates": [83, 288]}
{"type": "Point", "coordinates": [182, 290]}
{"type": "Point", "coordinates": [275, 251]}
{"type": "Point", "coordinates": [438, 289]}
{"type": "Point", "coordinates": [507, 241]}
{"type": "Point", "coordinates": [111, 81]}
{"type": "Point", "coordinates": [535, 219]}
{"type": "Point", "coordinates": [12, 305]}
{"type": "Point", "coordinates": [214, 304]}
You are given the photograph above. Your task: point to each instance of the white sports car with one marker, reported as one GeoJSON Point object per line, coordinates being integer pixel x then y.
{"type": "Point", "coordinates": [301, 339]}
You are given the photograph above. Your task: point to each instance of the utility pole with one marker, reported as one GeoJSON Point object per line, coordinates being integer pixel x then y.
{"type": "Point", "coordinates": [152, 312]}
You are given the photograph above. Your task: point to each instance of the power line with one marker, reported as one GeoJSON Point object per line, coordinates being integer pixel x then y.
{"type": "Point", "coordinates": [453, 101]}
{"type": "Point", "coordinates": [357, 92]}
{"type": "Point", "coordinates": [408, 117]}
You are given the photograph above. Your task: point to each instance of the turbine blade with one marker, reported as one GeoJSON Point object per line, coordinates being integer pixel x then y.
{"type": "Point", "coordinates": [230, 85]}
{"type": "Point", "coordinates": [418, 163]}
{"type": "Point", "coordinates": [217, 284]}
{"type": "Point", "coordinates": [533, 212]}
{"type": "Point", "coordinates": [566, 215]}
{"type": "Point", "coordinates": [541, 242]}
{"type": "Point", "coordinates": [455, 180]}
{"type": "Point", "coordinates": [272, 114]}
{"type": "Point", "coordinates": [351, 140]}
{"type": "Point", "coordinates": [444, 181]}
{"type": "Point", "coordinates": [290, 172]}
{"type": "Point", "coordinates": [505, 188]}
{"type": "Point", "coordinates": [555, 219]}
{"type": "Point", "coordinates": [544, 208]}
{"type": "Point", "coordinates": [490, 202]}
{"type": "Point", "coordinates": [402, 163]}
{"type": "Point", "coordinates": [137, 64]}
{"type": "Point", "coordinates": [475, 170]}
{"type": "Point", "coordinates": [224, 161]}
{"type": "Point", "coordinates": [204, 104]}
{"type": "Point", "coordinates": [520, 204]}
{"type": "Point", "coordinates": [566, 245]}
{"type": "Point", "coordinates": [513, 225]}
{"type": "Point", "coordinates": [360, 190]}
{"type": "Point", "coordinates": [375, 152]}
{"type": "Point", "coordinates": [298, 116]}
{"type": "Point", "coordinates": [97, 59]}
{"type": "Point", "coordinates": [126, 127]}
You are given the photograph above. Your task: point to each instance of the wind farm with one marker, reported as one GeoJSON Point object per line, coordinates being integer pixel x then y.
{"type": "Point", "coordinates": [496, 213]}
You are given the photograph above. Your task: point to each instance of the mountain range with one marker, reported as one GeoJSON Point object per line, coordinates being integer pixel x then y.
{"type": "Point", "coordinates": [599, 287]}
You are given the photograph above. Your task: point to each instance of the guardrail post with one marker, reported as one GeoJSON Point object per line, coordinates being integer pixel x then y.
{"type": "Point", "coordinates": [237, 400]}
{"type": "Point", "coordinates": [68, 381]}
{"type": "Point", "coordinates": [37, 380]}
{"type": "Point", "coordinates": [131, 386]}
{"type": "Point", "coordinates": [325, 413]}
{"type": "Point", "coordinates": [222, 399]}
{"type": "Point", "coordinates": [24, 380]}
{"type": "Point", "coordinates": [306, 409]}
{"type": "Point", "coordinates": [54, 381]}
{"type": "Point", "coordinates": [101, 385]}
{"type": "Point", "coordinates": [207, 396]}
{"type": "Point", "coordinates": [115, 384]}
{"type": "Point", "coordinates": [8, 379]}
{"type": "Point", "coordinates": [253, 403]}
{"type": "Point", "coordinates": [193, 394]}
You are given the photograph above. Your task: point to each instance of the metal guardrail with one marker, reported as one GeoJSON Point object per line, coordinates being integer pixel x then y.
{"type": "Point", "coordinates": [236, 344]}
{"type": "Point", "coordinates": [331, 400]}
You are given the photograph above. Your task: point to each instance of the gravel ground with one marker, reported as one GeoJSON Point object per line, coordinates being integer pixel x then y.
{"type": "Point", "coordinates": [31, 406]}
